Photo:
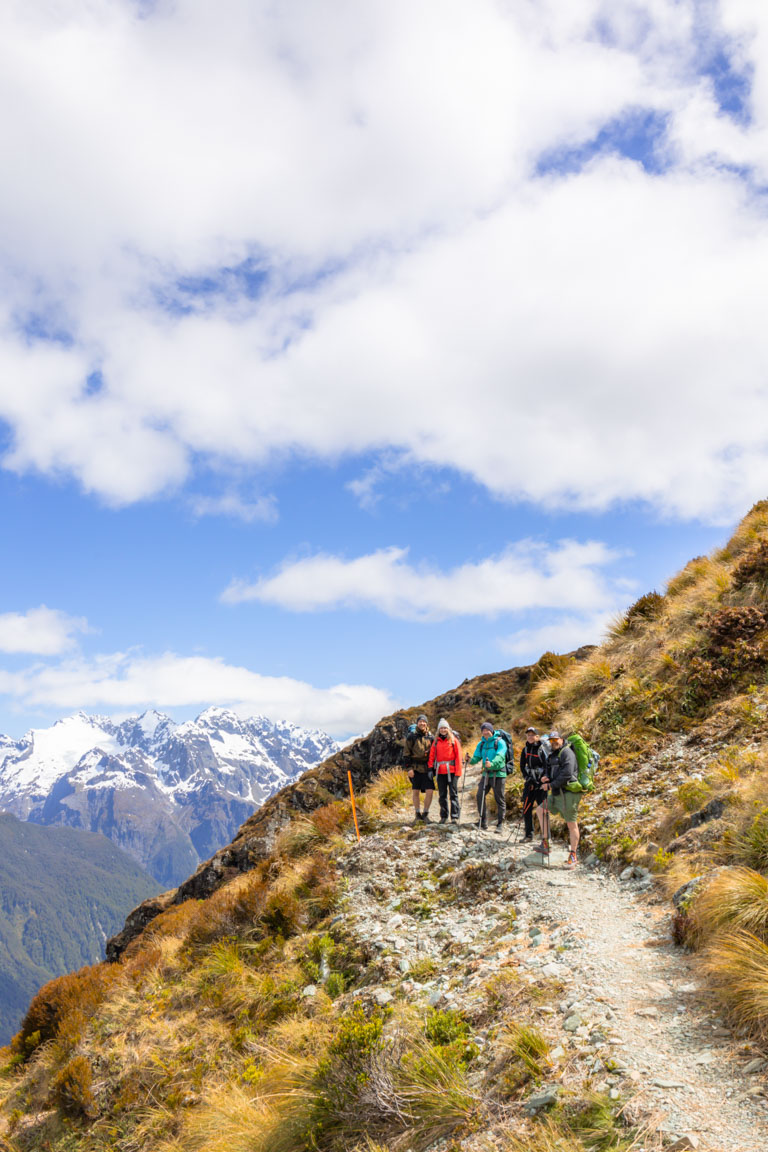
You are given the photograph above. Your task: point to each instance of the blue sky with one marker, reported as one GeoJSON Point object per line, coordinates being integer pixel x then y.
{"type": "Point", "coordinates": [341, 359]}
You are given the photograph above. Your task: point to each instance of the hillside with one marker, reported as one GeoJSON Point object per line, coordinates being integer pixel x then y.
{"type": "Point", "coordinates": [434, 989]}
{"type": "Point", "coordinates": [62, 893]}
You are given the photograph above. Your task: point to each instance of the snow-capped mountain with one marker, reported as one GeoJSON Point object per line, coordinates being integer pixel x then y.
{"type": "Point", "coordinates": [169, 794]}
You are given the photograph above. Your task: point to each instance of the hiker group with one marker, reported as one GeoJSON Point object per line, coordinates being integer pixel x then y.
{"type": "Point", "coordinates": [556, 772]}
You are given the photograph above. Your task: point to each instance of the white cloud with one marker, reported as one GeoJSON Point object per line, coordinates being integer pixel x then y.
{"type": "Point", "coordinates": [563, 634]}
{"type": "Point", "coordinates": [41, 631]}
{"type": "Point", "coordinates": [231, 504]}
{"type": "Point", "coordinates": [527, 575]}
{"type": "Point", "coordinates": [575, 341]}
{"type": "Point", "coordinates": [121, 681]}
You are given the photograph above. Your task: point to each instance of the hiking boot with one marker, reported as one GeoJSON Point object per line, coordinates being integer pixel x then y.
{"type": "Point", "coordinates": [543, 848]}
{"type": "Point", "coordinates": [417, 818]}
{"type": "Point", "coordinates": [528, 838]}
{"type": "Point", "coordinates": [571, 862]}
{"type": "Point", "coordinates": [426, 818]}
{"type": "Point", "coordinates": [454, 819]}
{"type": "Point", "coordinates": [498, 828]}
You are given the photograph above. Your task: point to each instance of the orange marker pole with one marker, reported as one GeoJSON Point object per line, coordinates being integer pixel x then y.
{"type": "Point", "coordinates": [352, 798]}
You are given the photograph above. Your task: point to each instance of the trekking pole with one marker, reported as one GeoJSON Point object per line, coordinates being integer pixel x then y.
{"type": "Point", "coordinates": [352, 798]}
{"type": "Point", "coordinates": [463, 784]}
{"type": "Point", "coordinates": [485, 793]}
{"type": "Point", "coordinates": [518, 826]}
{"type": "Point", "coordinates": [546, 823]}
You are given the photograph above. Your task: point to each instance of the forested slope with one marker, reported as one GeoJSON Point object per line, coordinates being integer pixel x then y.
{"type": "Point", "coordinates": [62, 893]}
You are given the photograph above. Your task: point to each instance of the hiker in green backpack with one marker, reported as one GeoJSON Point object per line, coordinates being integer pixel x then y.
{"type": "Point", "coordinates": [492, 751]}
{"type": "Point", "coordinates": [561, 769]}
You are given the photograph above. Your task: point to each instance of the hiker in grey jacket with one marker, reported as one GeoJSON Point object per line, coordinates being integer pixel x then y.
{"type": "Point", "coordinates": [561, 769]}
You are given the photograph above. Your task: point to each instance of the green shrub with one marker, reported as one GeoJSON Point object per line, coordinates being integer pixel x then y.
{"type": "Point", "coordinates": [445, 1025]}
{"type": "Point", "coordinates": [334, 985]}
{"type": "Point", "coordinates": [694, 794]}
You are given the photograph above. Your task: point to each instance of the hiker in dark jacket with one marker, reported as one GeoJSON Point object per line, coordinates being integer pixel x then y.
{"type": "Point", "coordinates": [445, 759]}
{"type": "Point", "coordinates": [418, 745]}
{"type": "Point", "coordinates": [561, 769]}
{"type": "Point", "coordinates": [491, 751]}
{"type": "Point", "coordinates": [533, 759]}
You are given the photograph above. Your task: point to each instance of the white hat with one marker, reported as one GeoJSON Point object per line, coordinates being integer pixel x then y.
{"type": "Point", "coordinates": [443, 724]}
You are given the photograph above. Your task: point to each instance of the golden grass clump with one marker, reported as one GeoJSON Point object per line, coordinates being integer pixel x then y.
{"type": "Point", "coordinates": [737, 965]}
{"type": "Point", "coordinates": [237, 905]}
{"type": "Point", "coordinates": [332, 819]}
{"type": "Point", "coordinates": [750, 530]}
{"type": "Point", "coordinates": [543, 701]}
{"type": "Point", "coordinates": [736, 898]}
{"type": "Point", "coordinates": [382, 797]}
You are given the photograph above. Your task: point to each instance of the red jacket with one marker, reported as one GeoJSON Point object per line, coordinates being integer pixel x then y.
{"type": "Point", "coordinates": [446, 752]}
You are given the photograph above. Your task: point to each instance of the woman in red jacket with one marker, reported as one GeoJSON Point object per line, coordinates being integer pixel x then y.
{"type": "Point", "coordinates": [445, 758]}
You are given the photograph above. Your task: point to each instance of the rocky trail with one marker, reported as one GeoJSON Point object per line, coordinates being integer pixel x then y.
{"type": "Point", "coordinates": [446, 911]}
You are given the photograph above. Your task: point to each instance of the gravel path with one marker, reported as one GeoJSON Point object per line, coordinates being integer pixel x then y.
{"type": "Point", "coordinates": [630, 1018]}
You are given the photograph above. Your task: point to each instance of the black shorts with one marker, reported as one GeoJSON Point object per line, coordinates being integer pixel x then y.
{"type": "Point", "coordinates": [422, 781]}
{"type": "Point", "coordinates": [533, 793]}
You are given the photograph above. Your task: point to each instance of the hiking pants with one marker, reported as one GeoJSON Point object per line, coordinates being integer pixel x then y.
{"type": "Point", "coordinates": [483, 788]}
{"type": "Point", "coordinates": [448, 786]}
{"type": "Point", "coordinates": [533, 795]}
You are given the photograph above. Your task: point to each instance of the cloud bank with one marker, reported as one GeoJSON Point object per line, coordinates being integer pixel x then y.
{"type": "Point", "coordinates": [122, 682]}
{"type": "Point", "coordinates": [527, 575]}
{"type": "Point", "coordinates": [532, 223]}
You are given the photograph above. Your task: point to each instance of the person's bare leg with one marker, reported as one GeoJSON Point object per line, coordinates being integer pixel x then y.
{"type": "Point", "coordinates": [573, 834]}
{"type": "Point", "coordinates": [416, 795]}
{"type": "Point", "coordinates": [428, 799]}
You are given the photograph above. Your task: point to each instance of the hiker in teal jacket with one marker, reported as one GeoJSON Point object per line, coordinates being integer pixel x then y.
{"type": "Point", "coordinates": [492, 752]}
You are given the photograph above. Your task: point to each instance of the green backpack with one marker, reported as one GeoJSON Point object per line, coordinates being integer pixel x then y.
{"type": "Point", "coordinates": [587, 760]}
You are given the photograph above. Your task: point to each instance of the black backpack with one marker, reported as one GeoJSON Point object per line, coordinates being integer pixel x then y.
{"type": "Point", "coordinates": [510, 754]}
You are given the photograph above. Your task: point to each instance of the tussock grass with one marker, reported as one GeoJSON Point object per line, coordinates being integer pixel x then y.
{"type": "Point", "coordinates": [736, 898]}
{"type": "Point", "coordinates": [526, 1044]}
{"type": "Point", "coordinates": [382, 796]}
{"type": "Point", "coordinates": [751, 845]}
{"type": "Point", "coordinates": [300, 836]}
{"type": "Point", "coordinates": [737, 965]}
{"type": "Point", "coordinates": [363, 1085]}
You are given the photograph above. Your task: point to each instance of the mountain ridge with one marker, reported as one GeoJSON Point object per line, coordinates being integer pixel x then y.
{"type": "Point", "coordinates": [167, 793]}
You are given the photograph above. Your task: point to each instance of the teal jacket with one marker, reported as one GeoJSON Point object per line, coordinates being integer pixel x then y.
{"type": "Point", "coordinates": [494, 749]}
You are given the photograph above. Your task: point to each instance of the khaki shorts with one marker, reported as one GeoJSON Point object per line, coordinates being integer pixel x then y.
{"type": "Point", "coordinates": [566, 804]}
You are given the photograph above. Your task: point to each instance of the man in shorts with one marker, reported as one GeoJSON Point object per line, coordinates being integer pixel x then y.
{"type": "Point", "coordinates": [561, 768]}
{"type": "Point", "coordinates": [418, 745]}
